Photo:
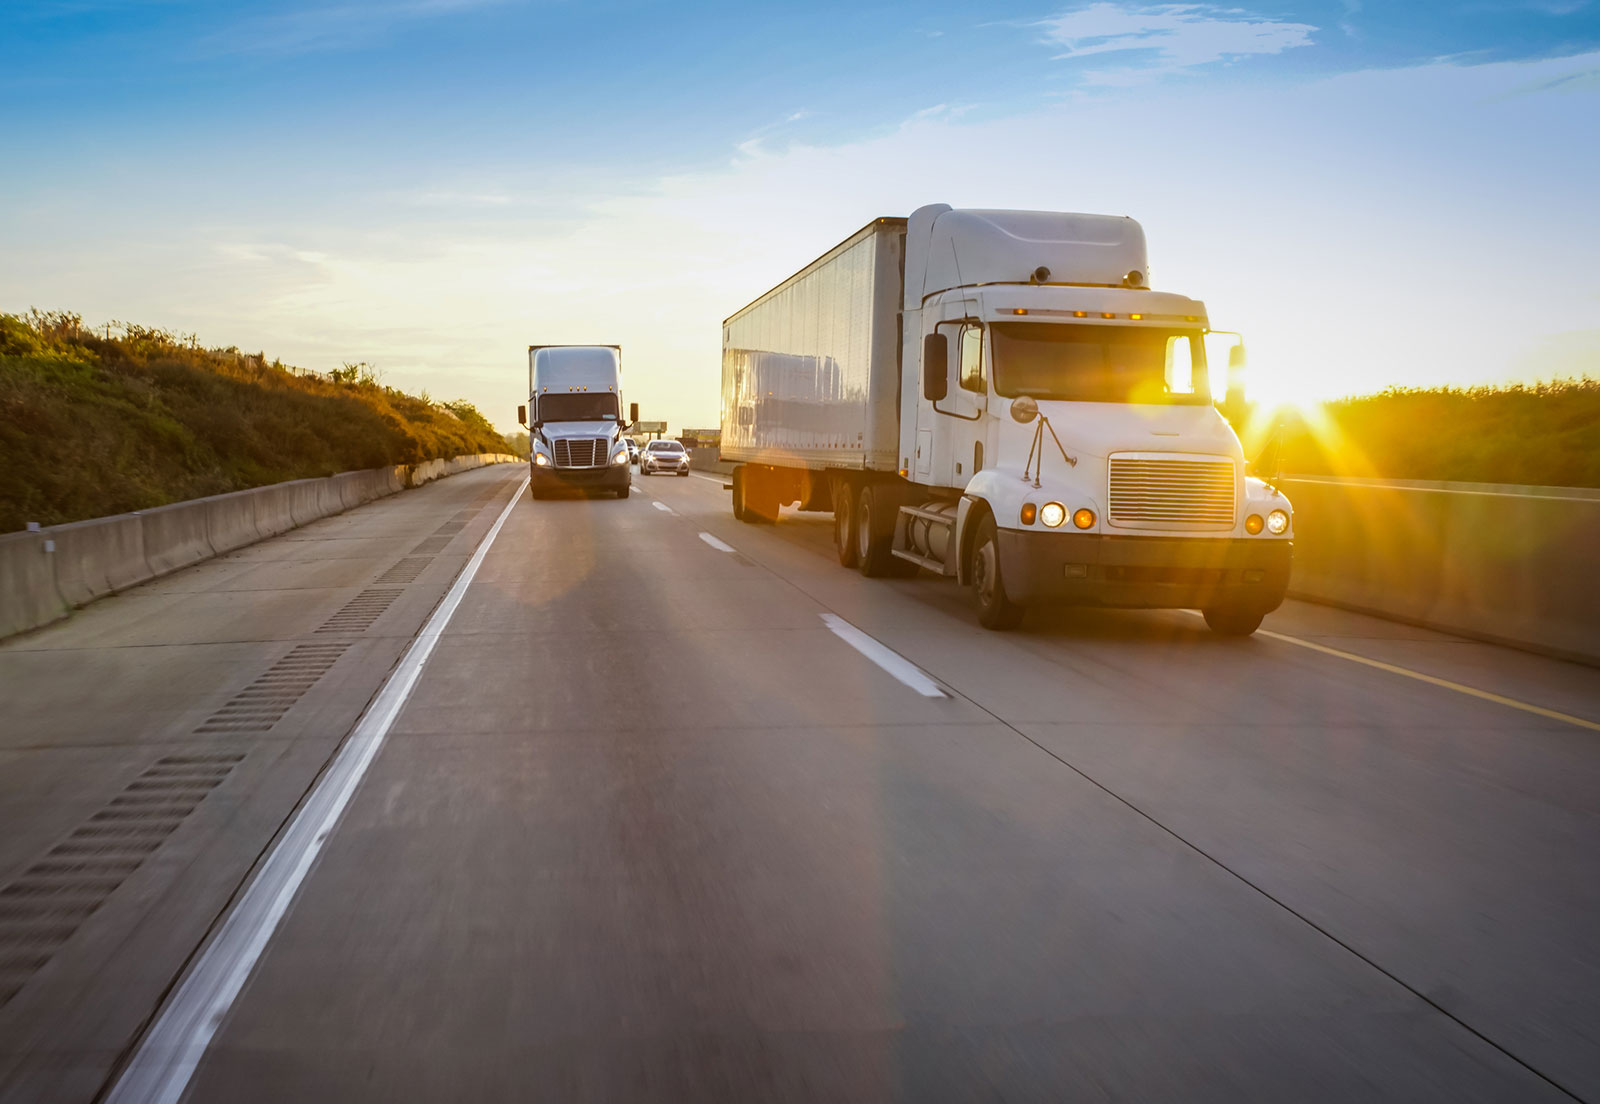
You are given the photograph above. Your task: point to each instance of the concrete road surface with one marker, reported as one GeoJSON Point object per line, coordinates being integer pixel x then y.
{"type": "Point", "coordinates": [678, 809]}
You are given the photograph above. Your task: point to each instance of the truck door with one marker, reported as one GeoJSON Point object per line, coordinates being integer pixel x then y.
{"type": "Point", "coordinates": [950, 433]}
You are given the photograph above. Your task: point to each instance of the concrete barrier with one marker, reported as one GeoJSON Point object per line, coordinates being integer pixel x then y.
{"type": "Point", "coordinates": [28, 594]}
{"type": "Point", "coordinates": [311, 500]}
{"type": "Point", "coordinates": [1514, 565]}
{"type": "Point", "coordinates": [45, 573]}
{"type": "Point", "coordinates": [709, 460]}
{"type": "Point", "coordinates": [99, 557]}
{"type": "Point", "coordinates": [175, 536]}
{"type": "Point", "coordinates": [274, 507]}
{"type": "Point", "coordinates": [230, 520]}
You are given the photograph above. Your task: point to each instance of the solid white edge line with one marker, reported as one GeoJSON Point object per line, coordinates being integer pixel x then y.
{"type": "Point", "coordinates": [892, 661]}
{"type": "Point", "coordinates": [715, 543]}
{"type": "Point", "coordinates": [170, 1051]}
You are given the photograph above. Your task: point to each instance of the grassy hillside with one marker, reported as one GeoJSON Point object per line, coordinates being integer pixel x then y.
{"type": "Point", "coordinates": [1542, 434]}
{"type": "Point", "coordinates": [91, 426]}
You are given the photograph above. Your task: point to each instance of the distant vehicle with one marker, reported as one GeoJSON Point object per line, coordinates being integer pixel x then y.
{"type": "Point", "coordinates": [575, 435]}
{"type": "Point", "coordinates": [999, 397]}
{"type": "Point", "coordinates": [633, 450]}
{"type": "Point", "coordinates": [664, 456]}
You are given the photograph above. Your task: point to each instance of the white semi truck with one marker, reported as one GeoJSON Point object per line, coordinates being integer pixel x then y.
{"type": "Point", "coordinates": [998, 396]}
{"type": "Point", "coordinates": [576, 427]}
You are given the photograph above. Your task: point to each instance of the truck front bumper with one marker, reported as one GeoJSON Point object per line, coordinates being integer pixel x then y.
{"type": "Point", "coordinates": [1094, 569]}
{"type": "Point", "coordinates": [612, 477]}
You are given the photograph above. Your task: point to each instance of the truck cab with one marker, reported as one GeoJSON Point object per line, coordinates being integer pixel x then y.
{"type": "Point", "coordinates": [1063, 422]}
{"type": "Point", "coordinates": [574, 420]}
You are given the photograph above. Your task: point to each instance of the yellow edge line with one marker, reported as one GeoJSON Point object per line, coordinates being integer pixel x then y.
{"type": "Point", "coordinates": [1432, 681]}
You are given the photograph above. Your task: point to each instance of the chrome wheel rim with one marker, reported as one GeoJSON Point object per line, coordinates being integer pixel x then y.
{"type": "Point", "coordinates": [863, 528]}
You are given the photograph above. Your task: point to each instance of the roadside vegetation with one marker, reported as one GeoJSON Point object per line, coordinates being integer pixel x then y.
{"type": "Point", "coordinates": [1545, 434]}
{"type": "Point", "coordinates": [95, 424]}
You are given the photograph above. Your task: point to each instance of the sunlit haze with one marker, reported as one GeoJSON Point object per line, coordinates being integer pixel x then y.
{"type": "Point", "coordinates": [1374, 194]}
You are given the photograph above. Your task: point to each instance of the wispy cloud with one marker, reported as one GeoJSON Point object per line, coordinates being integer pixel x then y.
{"type": "Point", "coordinates": [1167, 38]}
{"type": "Point", "coordinates": [333, 26]}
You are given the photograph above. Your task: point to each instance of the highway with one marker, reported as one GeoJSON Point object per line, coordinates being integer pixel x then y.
{"type": "Point", "coordinates": [660, 806]}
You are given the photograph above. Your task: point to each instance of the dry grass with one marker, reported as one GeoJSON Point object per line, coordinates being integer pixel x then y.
{"type": "Point", "coordinates": [91, 426]}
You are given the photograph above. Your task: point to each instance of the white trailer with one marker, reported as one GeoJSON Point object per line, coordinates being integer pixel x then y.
{"type": "Point", "coordinates": [998, 396]}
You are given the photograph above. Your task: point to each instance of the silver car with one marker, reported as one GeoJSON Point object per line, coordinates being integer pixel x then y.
{"type": "Point", "coordinates": [664, 456]}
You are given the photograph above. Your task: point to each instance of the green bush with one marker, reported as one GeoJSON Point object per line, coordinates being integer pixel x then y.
{"type": "Point", "coordinates": [1545, 434]}
{"type": "Point", "coordinates": [94, 425]}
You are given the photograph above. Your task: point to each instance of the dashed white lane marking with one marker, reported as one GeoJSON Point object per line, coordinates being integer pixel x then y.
{"type": "Point", "coordinates": [1406, 672]}
{"type": "Point", "coordinates": [662, 506]}
{"type": "Point", "coordinates": [893, 662]}
{"type": "Point", "coordinates": [715, 543]}
{"type": "Point", "coordinates": [161, 1067]}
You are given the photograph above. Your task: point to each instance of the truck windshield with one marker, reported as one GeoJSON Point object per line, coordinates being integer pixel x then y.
{"type": "Point", "coordinates": [578, 406]}
{"type": "Point", "coordinates": [1082, 363]}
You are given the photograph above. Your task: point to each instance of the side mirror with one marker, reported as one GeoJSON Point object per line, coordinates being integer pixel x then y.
{"type": "Point", "coordinates": [522, 416]}
{"type": "Point", "coordinates": [1236, 358]}
{"type": "Point", "coordinates": [935, 367]}
{"type": "Point", "coordinates": [633, 413]}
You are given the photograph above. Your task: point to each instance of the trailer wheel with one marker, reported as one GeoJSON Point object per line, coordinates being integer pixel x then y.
{"type": "Point", "coordinates": [844, 523]}
{"type": "Point", "coordinates": [738, 492]}
{"type": "Point", "coordinates": [995, 609]}
{"type": "Point", "coordinates": [1233, 620]}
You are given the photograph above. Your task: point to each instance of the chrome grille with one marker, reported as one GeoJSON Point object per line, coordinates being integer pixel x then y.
{"type": "Point", "coordinates": [1149, 491]}
{"type": "Point", "coordinates": [580, 452]}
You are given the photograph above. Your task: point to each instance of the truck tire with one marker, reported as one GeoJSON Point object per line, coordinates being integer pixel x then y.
{"type": "Point", "coordinates": [738, 492]}
{"type": "Point", "coordinates": [995, 610]}
{"type": "Point", "coordinates": [1233, 620]}
{"type": "Point", "coordinates": [844, 523]}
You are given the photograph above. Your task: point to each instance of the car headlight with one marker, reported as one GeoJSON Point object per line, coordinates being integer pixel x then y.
{"type": "Point", "coordinates": [540, 460]}
{"type": "Point", "coordinates": [1052, 514]}
{"type": "Point", "coordinates": [1277, 523]}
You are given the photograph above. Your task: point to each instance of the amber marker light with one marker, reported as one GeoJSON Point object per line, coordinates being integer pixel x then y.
{"type": "Point", "coordinates": [1080, 314]}
{"type": "Point", "coordinates": [1019, 310]}
{"type": "Point", "coordinates": [1029, 512]}
{"type": "Point", "coordinates": [1253, 524]}
{"type": "Point", "coordinates": [1136, 317]}
{"type": "Point", "coordinates": [1083, 518]}
{"type": "Point", "coordinates": [1107, 314]}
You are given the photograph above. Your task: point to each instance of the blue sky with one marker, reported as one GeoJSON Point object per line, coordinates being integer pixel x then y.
{"type": "Point", "coordinates": [1375, 192]}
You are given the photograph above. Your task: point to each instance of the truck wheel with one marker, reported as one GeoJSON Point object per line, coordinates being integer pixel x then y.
{"type": "Point", "coordinates": [874, 523]}
{"type": "Point", "coordinates": [844, 523]}
{"type": "Point", "coordinates": [738, 492]}
{"type": "Point", "coordinates": [995, 609]}
{"type": "Point", "coordinates": [1233, 620]}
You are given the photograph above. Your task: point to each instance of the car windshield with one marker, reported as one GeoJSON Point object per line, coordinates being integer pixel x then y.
{"type": "Point", "coordinates": [665, 446]}
{"type": "Point", "coordinates": [578, 406]}
{"type": "Point", "coordinates": [1082, 363]}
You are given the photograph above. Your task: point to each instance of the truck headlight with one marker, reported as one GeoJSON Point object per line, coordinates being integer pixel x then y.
{"type": "Point", "coordinates": [1052, 514]}
{"type": "Point", "coordinates": [1277, 523]}
{"type": "Point", "coordinates": [621, 457]}
{"type": "Point", "coordinates": [540, 460]}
